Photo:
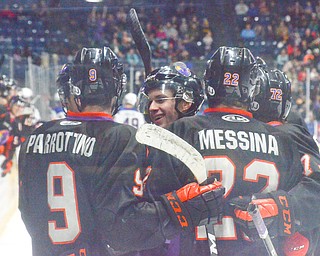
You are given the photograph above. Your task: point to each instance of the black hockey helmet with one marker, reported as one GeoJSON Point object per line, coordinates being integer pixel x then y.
{"type": "Point", "coordinates": [230, 76]}
{"type": "Point", "coordinates": [178, 78]}
{"type": "Point", "coordinates": [95, 77]}
{"type": "Point", "coordinates": [6, 85]}
{"type": "Point", "coordinates": [273, 102]}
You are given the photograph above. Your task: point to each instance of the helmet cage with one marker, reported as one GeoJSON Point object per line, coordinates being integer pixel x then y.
{"type": "Point", "coordinates": [177, 78]}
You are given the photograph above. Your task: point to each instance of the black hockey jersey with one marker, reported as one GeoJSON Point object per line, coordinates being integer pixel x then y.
{"type": "Point", "coordinates": [310, 159]}
{"type": "Point", "coordinates": [246, 155]}
{"type": "Point", "coordinates": [79, 190]}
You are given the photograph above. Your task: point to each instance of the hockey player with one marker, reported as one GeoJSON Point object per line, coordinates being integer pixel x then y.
{"type": "Point", "coordinates": [15, 119]}
{"type": "Point", "coordinates": [128, 113]}
{"type": "Point", "coordinates": [169, 93]}
{"type": "Point", "coordinates": [272, 105]}
{"type": "Point", "coordinates": [246, 155]}
{"type": "Point", "coordinates": [27, 95]}
{"type": "Point", "coordinates": [83, 196]}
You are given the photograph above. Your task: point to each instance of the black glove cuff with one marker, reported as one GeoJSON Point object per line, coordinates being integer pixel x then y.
{"type": "Point", "coordinates": [177, 211]}
{"type": "Point", "coordinates": [286, 212]}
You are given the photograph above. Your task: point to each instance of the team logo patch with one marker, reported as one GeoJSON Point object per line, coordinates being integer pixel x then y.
{"type": "Point", "coordinates": [182, 68]}
{"type": "Point", "coordinates": [70, 122]}
{"type": "Point", "coordinates": [254, 106]}
{"type": "Point", "coordinates": [235, 118]}
{"type": "Point", "coordinates": [211, 91]}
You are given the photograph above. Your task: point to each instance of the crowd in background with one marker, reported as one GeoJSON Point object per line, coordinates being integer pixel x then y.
{"type": "Point", "coordinates": [285, 33]}
{"type": "Point", "coordinates": [293, 37]}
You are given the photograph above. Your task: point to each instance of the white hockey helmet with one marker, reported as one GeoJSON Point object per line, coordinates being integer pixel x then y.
{"type": "Point", "coordinates": [26, 93]}
{"type": "Point", "coordinates": [130, 98]}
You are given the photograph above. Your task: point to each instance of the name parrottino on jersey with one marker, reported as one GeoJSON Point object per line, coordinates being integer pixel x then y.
{"type": "Point", "coordinates": [66, 141]}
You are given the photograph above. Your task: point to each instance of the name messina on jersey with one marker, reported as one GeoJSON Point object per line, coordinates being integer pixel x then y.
{"type": "Point", "coordinates": [230, 139]}
{"type": "Point", "coordinates": [60, 142]}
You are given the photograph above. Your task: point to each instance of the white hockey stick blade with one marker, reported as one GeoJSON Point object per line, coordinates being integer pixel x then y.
{"type": "Point", "coordinates": [162, 139]}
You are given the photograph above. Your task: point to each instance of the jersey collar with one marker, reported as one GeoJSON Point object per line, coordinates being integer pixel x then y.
{"type": "Point", "coordinates": [89, 116]}
{"type": "Point", "coordinates": [229, 111]}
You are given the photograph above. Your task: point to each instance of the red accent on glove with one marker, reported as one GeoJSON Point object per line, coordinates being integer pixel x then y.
{"type": "Point", "coordinates": [267, 207]}
{"type": "Point", "coordinates": [193, 190]}
{"type": "Point", "coordinates": [7, 168]}
{"type": "Point", "coordinates": [295, 245]}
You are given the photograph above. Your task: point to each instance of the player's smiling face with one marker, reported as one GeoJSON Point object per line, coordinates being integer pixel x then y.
{"type": "Point", "coordinates": [162, 107]}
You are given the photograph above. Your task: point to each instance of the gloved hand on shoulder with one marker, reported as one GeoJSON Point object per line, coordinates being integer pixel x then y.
{"type": "Point", "coordinates": [194, 204]}
{"type": "Point", "coordinates": [275, 209]}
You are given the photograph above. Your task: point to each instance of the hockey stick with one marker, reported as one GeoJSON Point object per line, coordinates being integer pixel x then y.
{"type": "Point", "coordinates": [140, 39]}
{"type": "Point", "coordinates": [253, 210]}
{"type": "Point", "coordinates": [162, 139]}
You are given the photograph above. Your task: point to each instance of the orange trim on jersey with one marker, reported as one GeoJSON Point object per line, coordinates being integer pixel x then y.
{"type": "Point", "coordinates": [275, 123]}
{"type": "Point", "coordinates": [88, 114]}
{"type": "Point", "coordinates": [147, 151]}
{"type": "Point", "coordinates": [229, 111]}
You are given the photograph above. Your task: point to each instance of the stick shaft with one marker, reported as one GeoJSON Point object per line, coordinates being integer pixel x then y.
{"type": "Point", "coordinates": [262, 229]}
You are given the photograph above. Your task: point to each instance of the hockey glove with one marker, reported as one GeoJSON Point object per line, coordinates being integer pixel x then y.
{"type": "Point", "coordinates": [274, 208]}
{"type": "Point", "coordinates": [194, 205]}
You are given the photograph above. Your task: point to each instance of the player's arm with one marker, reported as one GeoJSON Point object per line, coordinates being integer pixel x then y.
{"type": "Point", "coordinates": [129, 222]}
{"type": "Point", "coordinates": [287, 214]}
{"type": "Point", "coordinates": [143, 225]}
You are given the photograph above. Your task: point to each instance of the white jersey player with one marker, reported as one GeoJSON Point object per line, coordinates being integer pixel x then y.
{"type": "Point", "coordinates": [128, 114]}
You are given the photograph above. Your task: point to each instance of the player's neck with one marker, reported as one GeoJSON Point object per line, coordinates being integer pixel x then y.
{"type": "Point", "coordinates": [95, 108]}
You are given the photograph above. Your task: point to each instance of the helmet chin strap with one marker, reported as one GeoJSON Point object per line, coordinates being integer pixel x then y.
{"type": "Point", "coordinates": [114, 105]}
{"type": "Point", "coordinates": [184, 107]}
{"type": "Point", "coordinates": [77, 101]}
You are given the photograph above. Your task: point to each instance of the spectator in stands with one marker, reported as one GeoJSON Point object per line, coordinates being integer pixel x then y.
{"type": "Point", "coordinates": [263, 8]}
{"type": "Point", "coordinates": [7, 13]}
{"type": "Point", "coordinates": [282, 31]}
{"type": "Point", "coordinates": [253, 10]}
{"type": "Point", "coordinates": [170, 31]}
{"type": "Point", "coordinates": [316, 108]}
{"type": "Point", "coordinates": [308, 9]}
{"type": "Point", "coordinates": [317, 10]}
{"type": "Point", "coordinates": [132, 57]}
{"type": "Point", "coordinates": [282, 58]}
{"type": "Point", "coordinates": [241, 9]}
{"type": "Point", "coordinates": [308, 58]}
{"type": "Point", "coordinates": [184, 27]}
{"type": "Point", "coordinates": [296, 12]}
{"type": "Point", "coordinates": [259, 31]}
{"type": "Point", "coordinates": [207, 41]}
{"type": "Point", "coordinates": [248, 34]}
{"type": "Point", "coordinates": [314, 25]}
{"type": "Point", "coordinates": [205, 26]}
{"type": "Point", "coordinates": [316, 54]}
{"type": "Point", "coordinates": [161, 34]}
{"type": "Point", "coordinates": [314, 83]}
{"type": "Point", "coordinates": [309, 36]}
